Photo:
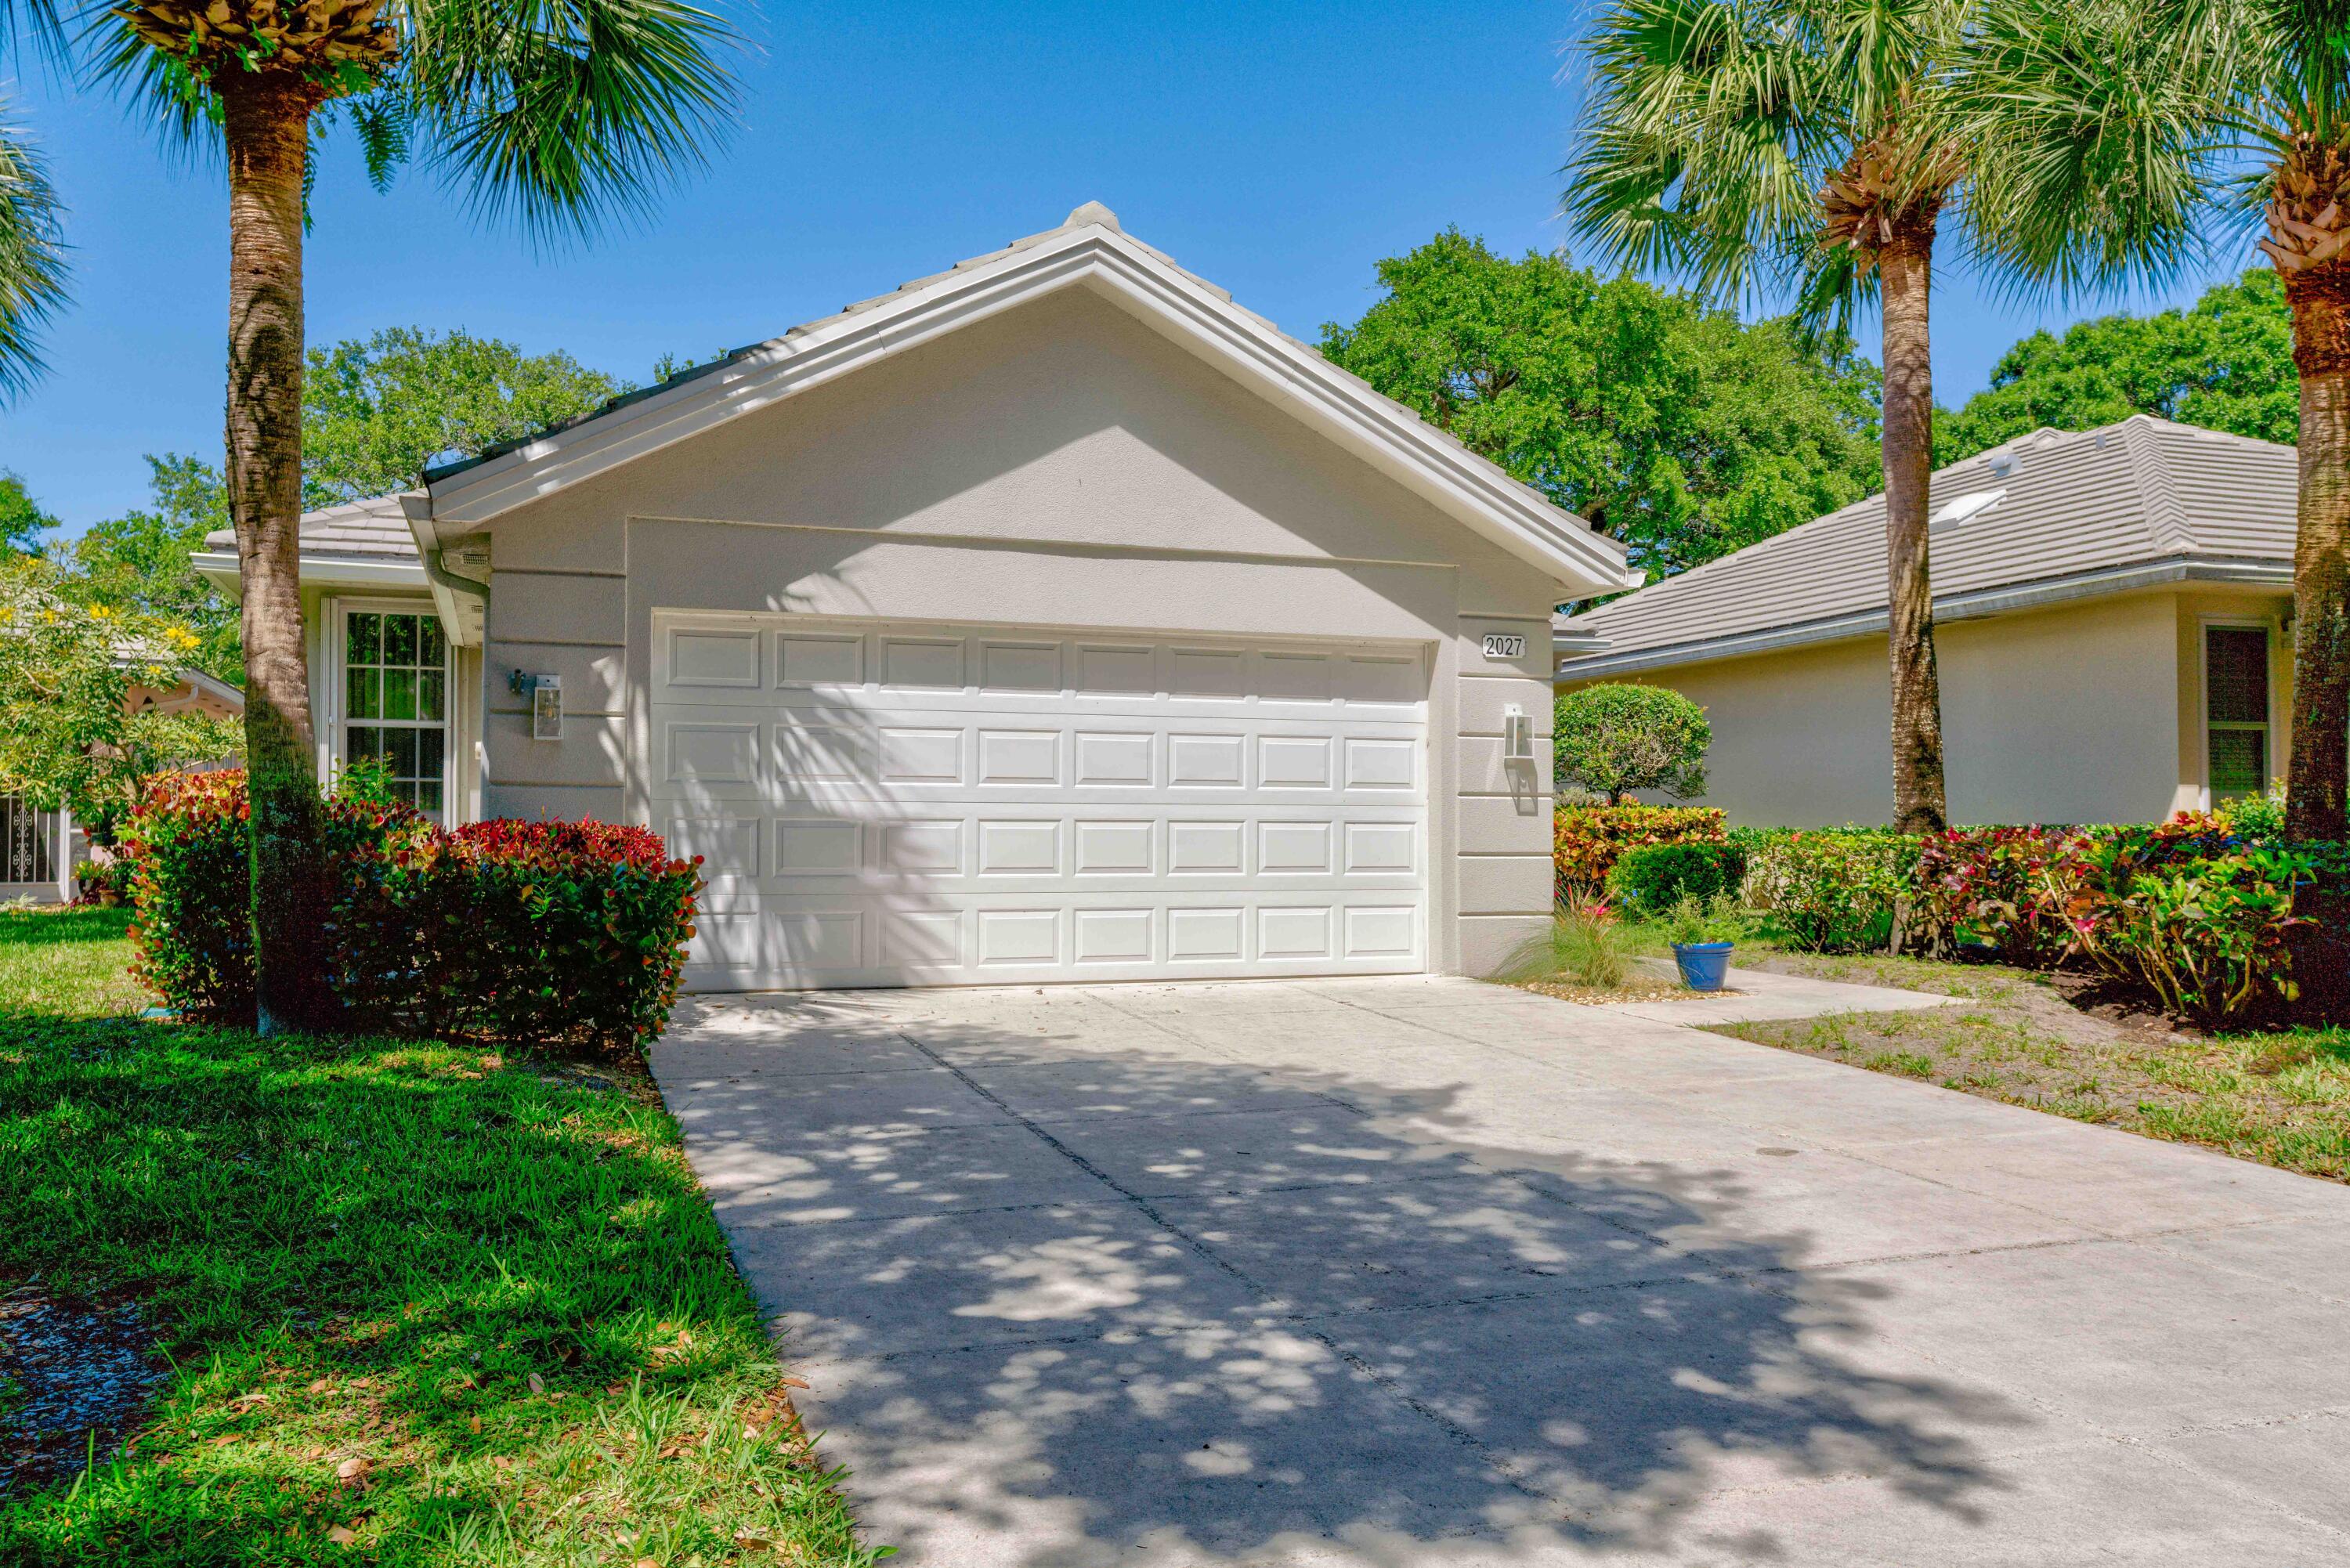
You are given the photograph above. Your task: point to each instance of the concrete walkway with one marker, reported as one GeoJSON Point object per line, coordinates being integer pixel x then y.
{"type": "Point", "coordinates": [1427, 1272]}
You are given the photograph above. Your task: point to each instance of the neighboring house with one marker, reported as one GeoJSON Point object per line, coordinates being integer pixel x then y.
{"type": "Point", "coordinates": [39, 849]}
{"type": "Point", "coordinates": [2111, 611]}
{"type": "Point", "coordinates": [1051, 617]}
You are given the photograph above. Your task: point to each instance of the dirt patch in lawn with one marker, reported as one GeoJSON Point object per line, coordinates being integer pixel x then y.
{"type": "Point", "coordinates": [76, 1376]}
{"type": "Point", "coordinates": [2058, 1044]}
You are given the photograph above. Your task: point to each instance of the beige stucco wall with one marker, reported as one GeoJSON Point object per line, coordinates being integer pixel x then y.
{"type": "Point", "coordinates": [2084, 711]}
{"type": "Point", "coordinates": [1059, 466]}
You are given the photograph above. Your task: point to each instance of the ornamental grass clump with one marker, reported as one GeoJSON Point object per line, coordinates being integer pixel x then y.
{"type": "Point", "coordinates": [1583, 944]}
{"type": "Point", "coordinates": [548, 932]}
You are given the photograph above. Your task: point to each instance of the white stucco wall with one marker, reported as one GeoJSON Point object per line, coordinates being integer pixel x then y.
{"type": "Point", "coordinates": [2087, 712]}
{"type": "Point", "coordinates": [1062, 465]}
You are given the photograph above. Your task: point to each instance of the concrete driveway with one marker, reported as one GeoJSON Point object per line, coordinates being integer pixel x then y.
{"type": "Point", "coordinates": [1427, 1272]}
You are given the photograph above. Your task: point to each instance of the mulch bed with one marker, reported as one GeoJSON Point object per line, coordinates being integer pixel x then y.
{"type": "Point", "coordinates": [69, 1367]}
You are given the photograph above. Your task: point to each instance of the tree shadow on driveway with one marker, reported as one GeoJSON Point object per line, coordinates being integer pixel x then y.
{"type": "Point", "coordinates": [1069, 1294]}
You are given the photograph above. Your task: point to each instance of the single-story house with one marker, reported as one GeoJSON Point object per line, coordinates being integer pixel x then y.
{"type": "Point", "coordinates": [39, 850]}
{"type": "Point", "coordinates": [2112, 614]}
{"type": "Point", "coordinates": [1049, 618]}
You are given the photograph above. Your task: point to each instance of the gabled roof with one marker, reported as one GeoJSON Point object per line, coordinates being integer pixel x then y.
{"type": "Point", "coordinates": [1087, 250]}
{"type": "Point", "coordinates": [2049, 516]}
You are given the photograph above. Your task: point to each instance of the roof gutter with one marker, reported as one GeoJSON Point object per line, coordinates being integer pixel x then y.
{"type": "Point", "coordinates": [1574, 664]}
{"type": "Point", "coordinates": [448, 587]}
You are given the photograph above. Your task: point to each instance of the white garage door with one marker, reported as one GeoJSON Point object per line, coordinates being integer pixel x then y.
{"type": "Point", "coordinates": [893, 803]}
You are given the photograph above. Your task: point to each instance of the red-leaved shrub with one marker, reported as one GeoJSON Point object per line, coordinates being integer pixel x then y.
{"type": "Point", "coordinates": [1585, 841]}
{"type": "Point", "coordinates": [544, 931]}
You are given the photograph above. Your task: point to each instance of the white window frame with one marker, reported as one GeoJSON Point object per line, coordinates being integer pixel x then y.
{"type": "Point", "coordinates": [2205, 626]}
{"type": "Point", "coordinates": [337, 617]}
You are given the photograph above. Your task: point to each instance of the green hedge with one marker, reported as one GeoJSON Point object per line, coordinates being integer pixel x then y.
{"type": "Point", "coordinates": [1656, 876]}
{"type": "Point", "coordinates": [536, 932]}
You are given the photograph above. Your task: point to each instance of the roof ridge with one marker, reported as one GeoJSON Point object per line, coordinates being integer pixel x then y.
{"type": "Point", "coordinates": [2157, 489]}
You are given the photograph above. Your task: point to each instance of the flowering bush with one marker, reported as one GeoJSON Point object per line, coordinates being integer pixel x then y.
{"type": "Point", "coordinates": [504, 930]}
{"type": "Point", "coordinates": [1837, 891]}
{"type": "Point", "coordinates": [1586, 842]}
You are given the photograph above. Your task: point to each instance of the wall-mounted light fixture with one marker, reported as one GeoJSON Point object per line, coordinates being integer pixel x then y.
{"type": "Point", "coordinates": [1517, 734]}
{"type": "Point", "coordinates": [546, 694]}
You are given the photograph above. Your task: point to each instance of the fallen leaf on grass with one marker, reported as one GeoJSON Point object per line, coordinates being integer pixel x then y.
{"type": "Point", "coordinates": [491, 1064]}
{"type": "Point", "coordinates": [475, 1425]}
{"type": "Point", "coordinates": [341, 1536]}
{"type": "Point", "coordinates": [323, 1385]}
{"type": "Point", "coordinates": [645, 1562]}
{"type": "Point", "coordinates": [351, 1469]}
{"type": "Point", "coordinates": [223, 1441]}
{"type": "Point", "coordinates": [537, 1384]}
{"type": "Point", "coordinates": [750, 1542]}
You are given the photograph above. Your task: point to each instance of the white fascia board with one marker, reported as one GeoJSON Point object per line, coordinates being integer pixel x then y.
{"type": "Point", "coordinates": [220, 567]}
{"type": "Point", "coordinates": [1463, 485]}
{"type": "Point", "coordinates": [1575, 664]}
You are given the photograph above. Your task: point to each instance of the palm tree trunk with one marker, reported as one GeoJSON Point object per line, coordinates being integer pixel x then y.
{"type": "Point", "coordinates": [1905, 272]}
{"type": "Point", "coordinates": [266, 132]}
{"type": "Point", "coordinates": [2315, 787]}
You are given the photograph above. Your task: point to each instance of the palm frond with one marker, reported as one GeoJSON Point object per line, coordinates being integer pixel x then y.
{"type": "Point", "coordinates": [565, 113]}
{"type": "Point", "coordinates": [33, 270]}
{"type": "Point", "coordinates": [1702, 139]}
{"type": "Point", "coordinates": [2108, 130]}
{"type": "Point", "coordinates": [37, 21]}
{"type": "Point", "coordinates": [1710, 129]}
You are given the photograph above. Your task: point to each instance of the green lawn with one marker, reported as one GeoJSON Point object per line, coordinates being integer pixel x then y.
{"type": "Point", "coordinates": [421, 1305]}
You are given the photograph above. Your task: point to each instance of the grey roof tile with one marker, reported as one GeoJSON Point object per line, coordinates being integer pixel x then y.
{"type": "Point", "coordinates": [375, 527]}
{"type": "Point", "coordinates": [2142, 490]}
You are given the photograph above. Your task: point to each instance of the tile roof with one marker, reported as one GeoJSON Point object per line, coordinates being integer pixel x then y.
{"type": "Point", "coordinates": [2041, 508]}
{"type": "Point", "coordinates": [373, 527]}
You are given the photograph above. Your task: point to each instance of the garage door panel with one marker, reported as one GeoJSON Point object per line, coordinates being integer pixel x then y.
{"type": "Point", "coordinates": [882, 805]}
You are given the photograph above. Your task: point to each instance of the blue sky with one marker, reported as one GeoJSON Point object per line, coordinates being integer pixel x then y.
{"type": "Point", "coordinates": [1278, 149]}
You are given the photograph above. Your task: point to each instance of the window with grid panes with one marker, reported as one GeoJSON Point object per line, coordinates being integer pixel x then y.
{"type": "Point", "coordinates": [2236, 709]}
{"type": "Point", "coordinates": [396, 701]}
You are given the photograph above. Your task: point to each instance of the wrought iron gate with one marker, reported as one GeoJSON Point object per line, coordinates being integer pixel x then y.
{"type": "Point", "coordinates": [27, 840]}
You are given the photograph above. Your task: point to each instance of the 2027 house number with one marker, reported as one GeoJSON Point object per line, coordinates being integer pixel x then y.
{"type": "Point", "coordinates": [1505, 645]}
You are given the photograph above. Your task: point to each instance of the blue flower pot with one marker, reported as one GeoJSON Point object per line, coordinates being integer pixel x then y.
{"type": "Point", "coordinates": [1704, 965]}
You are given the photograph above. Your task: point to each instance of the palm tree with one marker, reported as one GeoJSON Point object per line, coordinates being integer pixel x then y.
{"type": "Point", "coordinates": [2114, 135]}
{"type": "Point", "coordinates": [32, 257]}
{"type": "Point", "coordinates": [557, 112]}
{"type": "Point", "coordinates": [1805, 143]}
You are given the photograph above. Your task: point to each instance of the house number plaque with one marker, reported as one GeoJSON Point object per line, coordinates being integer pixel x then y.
{"type": "Point", "coordinates": [1505, 645]}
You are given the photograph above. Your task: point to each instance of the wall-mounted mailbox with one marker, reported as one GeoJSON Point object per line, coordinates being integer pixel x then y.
{"type": "Point", "coordinates": [546, 694]}
{"type": "Point", "coordinates": [1517, 734]}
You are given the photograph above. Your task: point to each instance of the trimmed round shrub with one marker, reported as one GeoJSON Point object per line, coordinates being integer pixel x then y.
{"type": "Point", "coordinates": [1653, 877]}
{"type": "Point", "coordinates": [569, 932]}
{"type": "Point", "coordinates": [1615, 738]}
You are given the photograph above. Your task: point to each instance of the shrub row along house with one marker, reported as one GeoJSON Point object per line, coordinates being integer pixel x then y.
{"type": "Point", "coordinates": [2112, 612]}
{"type": "Point", "coordinates": [1050, 618]}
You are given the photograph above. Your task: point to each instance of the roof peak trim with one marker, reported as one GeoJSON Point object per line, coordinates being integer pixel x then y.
{"type": "Point", "coordinates": [1094, 255]}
